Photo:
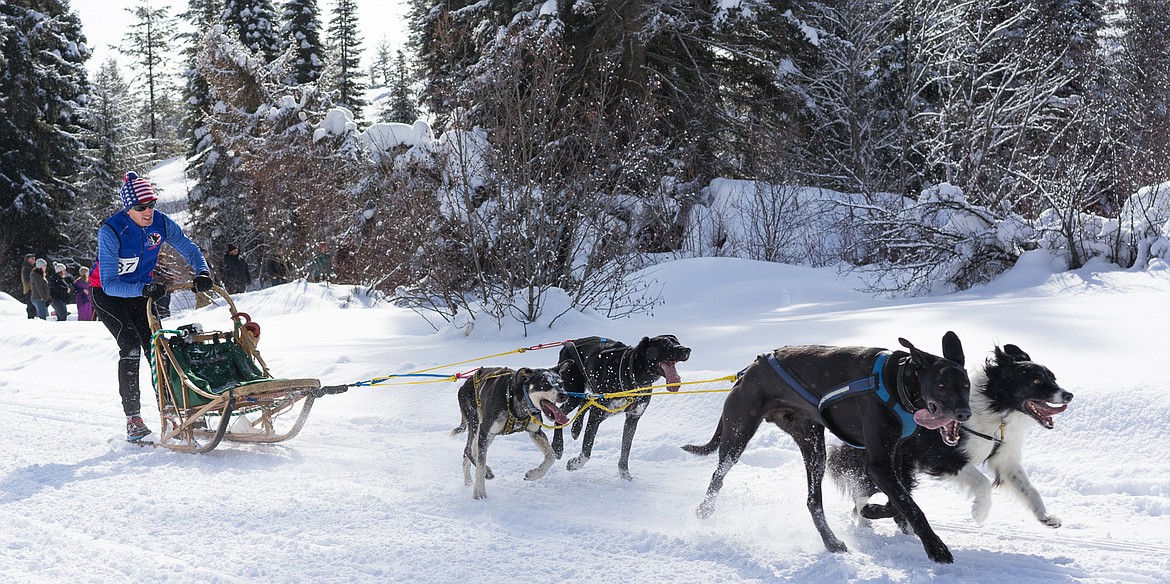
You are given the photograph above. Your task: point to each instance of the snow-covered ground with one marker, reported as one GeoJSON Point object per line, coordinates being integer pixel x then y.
{"type": "Point", "coordinates": [372, 489]}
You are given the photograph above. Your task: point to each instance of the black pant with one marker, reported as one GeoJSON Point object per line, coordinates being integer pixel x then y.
{"type": "Point", "coordinates": [126, 319]}
{"type": "Point", "coordinates": [28, 305]}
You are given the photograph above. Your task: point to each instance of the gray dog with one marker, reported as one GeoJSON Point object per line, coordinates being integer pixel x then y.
{"type": "Point", "coordinates": [496, 400]}
{"type": "Point", "coordinates": [868, 397]}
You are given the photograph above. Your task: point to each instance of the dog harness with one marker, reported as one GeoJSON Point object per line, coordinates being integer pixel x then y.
{"type": "Point", "coordinates": [873, 383]}
{"type": "Point", "coordinates": [514, 423]}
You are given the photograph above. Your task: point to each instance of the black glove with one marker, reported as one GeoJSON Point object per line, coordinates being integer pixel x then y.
{"type": "Point", "coordinates": [154, 290]}
{"type": "Point", "coordinates": [202, 282]}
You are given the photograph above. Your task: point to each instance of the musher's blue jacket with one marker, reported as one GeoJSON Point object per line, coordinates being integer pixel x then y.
{"type": "Point", "coordinates": [127, 253]}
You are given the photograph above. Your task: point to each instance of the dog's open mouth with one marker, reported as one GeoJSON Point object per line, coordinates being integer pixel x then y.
{"type": "Point", "coordinates": [1043, 411]}
{"type": "Point", "coordinates": [553, 412]}
{"type": "Point", "coordinates": [947, 427]}
{"type": "Point", "coordinates": [671, 375]}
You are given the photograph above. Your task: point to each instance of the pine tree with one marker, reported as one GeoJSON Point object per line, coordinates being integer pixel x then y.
{"type": "Point", "coordinates": [382, 67]}
{"type": "Point", "coordinates": [220, 204]}
{"type": "Point", "coordinates": [255, 23]}
{"type": "Point", "coordinates": [201, 15]}
{"type": "Point", "coordinates": [345, 46]}
{"type": "Point", "coordinates": [148, 42]}
{"type": "Point", "coordinates": [43, 86]}
{"type": "Point", "coordinates": [400, 105]}
{"type": "Point", "coordinates": [853, 97]}
{"type": "Point", "coordinates": [302, 28]}
{"type": "Point", "coordinates": [1143, 69]}
{"type": "Point", "coordinates": [113, 142]}
{"type": "Point", "coordinates": [206, 161]}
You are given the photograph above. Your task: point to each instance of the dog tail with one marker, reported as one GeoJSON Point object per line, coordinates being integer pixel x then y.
{"type": "Point", "coordinates": [708, 448]}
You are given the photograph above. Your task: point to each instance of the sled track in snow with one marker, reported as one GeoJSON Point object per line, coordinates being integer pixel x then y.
{"type": "Point", "coordinates": [1104, 545]}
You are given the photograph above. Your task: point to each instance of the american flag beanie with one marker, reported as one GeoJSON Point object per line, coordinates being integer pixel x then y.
{"type": "Point", "coordinates": [136, 191]}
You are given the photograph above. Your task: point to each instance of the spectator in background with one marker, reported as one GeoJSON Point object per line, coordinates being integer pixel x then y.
{"type": "Point", "coordinates": [60, 291]}
{"type": "Point", "coordinates": [276, 270]}
{"type": "Point", "coordinates": [234, 270]}
{"type": "Point", "coordinates": [26, 269]}
{"type": "Point", "coordinates": [81, 294]}
{"type": "Point", "coordinates": [321, 268]}
{"type": "Point", "coordinates": [40, 289]}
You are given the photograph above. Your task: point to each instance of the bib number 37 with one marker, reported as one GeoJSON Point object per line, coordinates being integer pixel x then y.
{"type": "Point", "coordinates": [127, 265]}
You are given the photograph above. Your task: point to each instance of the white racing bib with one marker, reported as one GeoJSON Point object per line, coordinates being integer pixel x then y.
{"type": "Point", "coordinates": [127, 265]}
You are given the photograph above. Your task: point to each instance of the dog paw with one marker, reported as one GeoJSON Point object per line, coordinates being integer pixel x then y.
{"type": "Point", "coordinates": [1051, 521]}
{"type": "Point", "coordinates": [489, 475]}
{"type": "Point", "coordinates": [939, 552]}
{"type": "Point", "coordinates": [535, 473]}
{"type": "Point", "coordinates": [577, 463]}
{"type": "Point", "coordinates": [705, 509]}
{"type": "Point", "coordinates": [479, 494]}
{"type": "Point", "coordinates": [862, 522]}
{"type": "Point", "coordinates": [836, 546]}
{"type": "Point", "coordinates": [625, 474]}
{"type": "Point", "coordinates": [980, 510]}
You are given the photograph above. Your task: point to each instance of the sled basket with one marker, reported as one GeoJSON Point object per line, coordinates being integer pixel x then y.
{"type": "Point", "coordinates": [214, 385]}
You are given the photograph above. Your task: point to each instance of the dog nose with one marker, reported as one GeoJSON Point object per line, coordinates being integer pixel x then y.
{"type": "Point", "coordinates": [1067, 396]}
{"type": "Point", "coordinates": [963, 414]}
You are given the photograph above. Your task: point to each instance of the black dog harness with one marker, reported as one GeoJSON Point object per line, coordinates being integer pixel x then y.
{"type": "Point", "coordinates": [873, 383]}
{"type": "Point", "coordinates": [515, 422]}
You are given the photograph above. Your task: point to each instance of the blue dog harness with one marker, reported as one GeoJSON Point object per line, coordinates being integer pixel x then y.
{"type": "Point", "coordinates": [872, 383]}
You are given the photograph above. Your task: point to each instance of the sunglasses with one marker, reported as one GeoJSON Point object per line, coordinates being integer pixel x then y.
{"type": "Point", "coordinates": [141, 208]}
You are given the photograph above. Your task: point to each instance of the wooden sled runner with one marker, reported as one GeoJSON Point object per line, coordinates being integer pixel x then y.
{"type": "Point", "coordinates": [214, 386]}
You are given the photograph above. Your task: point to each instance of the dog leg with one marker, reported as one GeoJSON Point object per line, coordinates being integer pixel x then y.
{"type": "Point", "coordinates": [811, 440]}
{"type": "Point", "coordinates": [879, 466]}
{"type": "Point", "coordinates": [845, 466]}
{"type": "Point", "coordinates": [541, 442]}
{"type": "Point", "coordinates": [558, 443]}
{"type": "Point", "coordinates": [975, 484]}
{"type": "Point", "coordinates": [481, 467]}
{"type": "Point", "coordinates": [1012, 475]}
{"type": "Point", "coordinates": [736, 434]}
{"type": "Point", "coordinates": [469, 454]}
{"type": "Point", "coordinates": [595, 418]}
{"type": "Point", "coordinates": [631, 426]}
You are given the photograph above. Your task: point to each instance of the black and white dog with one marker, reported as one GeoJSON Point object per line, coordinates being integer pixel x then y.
{"type": "Point", "coordinates": [866, 396]}
{"type": "Point", "coordinates": [603, 365]}
{"type": "Point", "coordinates": [1009, 393]}
{"type": "Point", "coordinates": [495, 401]}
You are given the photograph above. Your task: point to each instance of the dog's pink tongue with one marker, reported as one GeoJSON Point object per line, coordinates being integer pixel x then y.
{"type": "Point", "coordinates": [671, 374]}
{"type": "Point", "coordinates": [554, 412]}
{"type": "Point", "coordinates": [928, 420]}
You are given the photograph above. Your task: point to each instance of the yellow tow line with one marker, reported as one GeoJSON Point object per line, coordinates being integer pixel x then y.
{"type": "Point", "coordinates": [593, 402]}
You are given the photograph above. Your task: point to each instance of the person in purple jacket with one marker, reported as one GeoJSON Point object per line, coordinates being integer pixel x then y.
{"type": "Point", "coordinates": [122, 279]}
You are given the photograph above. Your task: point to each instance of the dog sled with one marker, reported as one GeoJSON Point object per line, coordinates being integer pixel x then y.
{"type": "Point", "coordinates": [214, 385]}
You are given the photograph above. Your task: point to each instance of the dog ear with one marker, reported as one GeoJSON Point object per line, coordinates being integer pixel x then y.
{"type": "Point", "coordinates": [916, 356]}
{"type": "Point", "coordinates": [523, 374]}
{"type": "Point", "coordinates": [566, 367]}
{"type": "Point", "coordinates": [652, 353]}
{"type": "Point", "coordinates": [953, 348]}
{"type": "Point", "coordinates": [650, 350]}
{"type": "Point", "coordinates": [1013, 353]}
